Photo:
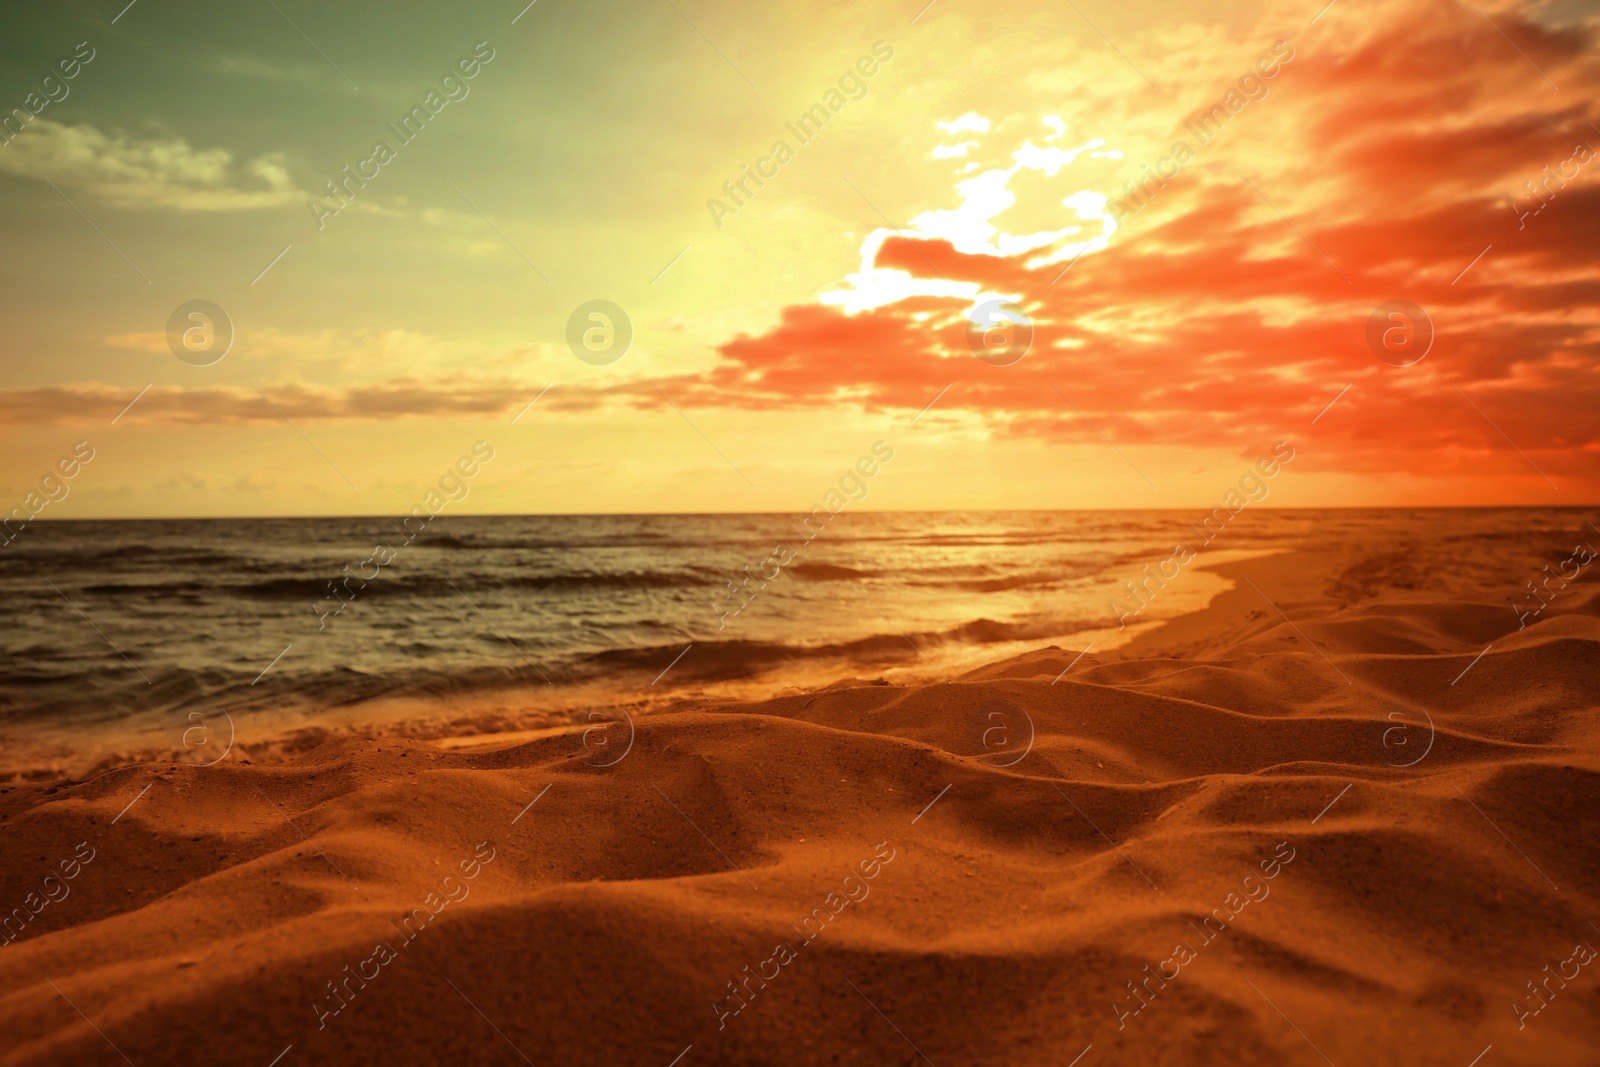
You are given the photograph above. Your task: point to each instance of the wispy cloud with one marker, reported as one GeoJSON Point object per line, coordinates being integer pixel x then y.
{"type": "Point", "coordinates": [246, 66]}
{"type": "Point", "coordinates": [157, 172]}
{"type": "Point", "coordinates": [234, 405]}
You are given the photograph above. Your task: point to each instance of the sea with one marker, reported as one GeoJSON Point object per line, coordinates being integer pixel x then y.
{"type": "Point", "coordinates": [134, 638]}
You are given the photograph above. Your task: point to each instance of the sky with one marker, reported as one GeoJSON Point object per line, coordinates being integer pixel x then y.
{"type": "Point", "coordinates": [1086, 255]}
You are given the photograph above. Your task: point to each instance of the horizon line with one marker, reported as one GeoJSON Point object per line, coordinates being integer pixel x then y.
{"type": "Point", "coordinates": [869, 511]}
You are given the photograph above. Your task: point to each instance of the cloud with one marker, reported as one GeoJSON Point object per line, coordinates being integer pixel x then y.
{"type": "Point", "coordinates": [161, 172]}
{"type": "Point", "coordinates": [1231, 304]}
{"type": "Point", "coordinates": [140, 342]}
{"type": "Point", "coordinates": [407, 397]}
{"type": "Point", "coordinates": [970, 122]}
{"type": "Point", "coordinates": [229, 405]}
{"type": "Point", "coordinates": [245, 66]}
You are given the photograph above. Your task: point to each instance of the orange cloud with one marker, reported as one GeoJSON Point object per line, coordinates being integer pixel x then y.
{"type": "Point", "coordinates": [1390, 161]}
{"type": "Point", "coordinates": [397, 398]}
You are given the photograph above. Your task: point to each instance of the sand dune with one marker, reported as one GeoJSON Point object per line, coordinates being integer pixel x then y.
{"type": "Point", "coordinates": [1219, 844]}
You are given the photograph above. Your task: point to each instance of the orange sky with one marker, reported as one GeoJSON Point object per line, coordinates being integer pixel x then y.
{"type": "Point", "coordinates": [1363, 155]}
{"type": "Point", "coordinates": [1232, 305]}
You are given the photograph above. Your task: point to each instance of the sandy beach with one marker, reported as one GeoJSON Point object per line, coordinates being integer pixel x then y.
{"type": "Point", "coordinates": [713, 534]}
{"type": "Point", "coordinates": [1346, 814]}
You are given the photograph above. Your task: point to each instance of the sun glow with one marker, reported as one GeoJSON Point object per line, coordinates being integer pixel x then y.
{"type": "Point", "coordinates": [970, 229]}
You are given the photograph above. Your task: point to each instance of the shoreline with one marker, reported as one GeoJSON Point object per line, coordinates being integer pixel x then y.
{"type": "Point", "coordinates": [424, 660]}
{"type": "Point", "coordinates": [476, 715]}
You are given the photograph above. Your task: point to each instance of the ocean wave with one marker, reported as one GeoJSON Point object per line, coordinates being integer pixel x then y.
{"type": "Point", "coordinates": [149, 588]}
{"type": "Point", "coordinates": [829, 572]}
{"type": "Point", "coordinates": [721, 660]}
{"type": "Point", "coordinates": [536, 544]}
{"type": "Point", "coordinates": [694, 577]}
{"type": "Point", "coordinates": [1065, 573]}
{"type": "Point", "coordinates": [443, 585]}
{"type": "Point", "coordinates": [125, 557]}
